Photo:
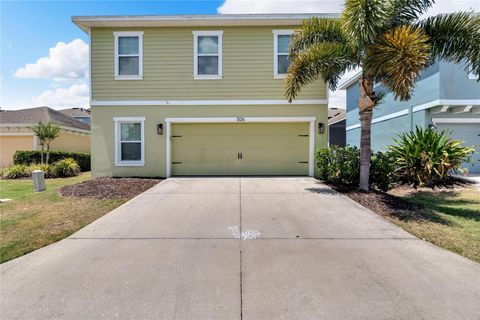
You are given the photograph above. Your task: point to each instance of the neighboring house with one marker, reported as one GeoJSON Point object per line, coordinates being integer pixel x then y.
{"type": "Point", "coordinates": [16, 133]}
{"type": "Point", "coordinates": [199, 95]}
{"type": "Point", "coordinates": [446, 97]}
{"type": "Point", "coordinates": [336, 127]}
{"type": "Point", "coordinates": [78, 113]}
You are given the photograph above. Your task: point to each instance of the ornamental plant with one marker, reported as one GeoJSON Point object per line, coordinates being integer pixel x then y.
{"type": "Point", "coordinates": [426, 157]}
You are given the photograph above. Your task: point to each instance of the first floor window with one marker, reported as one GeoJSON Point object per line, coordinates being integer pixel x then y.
{"type": "Point", "coordinates": [128, 55]}
{"type": "Point", "coordinates": [129, 134]}
{"type": "Point", "coordinates": [281, 52]}
{"type": "Point", "coordinates": [207, 54]}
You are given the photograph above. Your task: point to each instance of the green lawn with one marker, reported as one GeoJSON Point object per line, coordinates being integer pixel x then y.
{"type": "Point", "coordinates": [35, 219]}
{"type": "Point", "coordinates": [451, 221]}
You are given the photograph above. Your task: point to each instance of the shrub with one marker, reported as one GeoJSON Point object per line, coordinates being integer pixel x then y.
{"type": "Point", "coordinates": [65, 168]}
{"type": "Point", "coordinates": [341, 167]}
{"type": "Point", "coordinates": [426, 157]}
{"type": "Point", "coordinates": [28, 157]}
{"type": "Point", "coordinates": [46, 168]}
{"type": "Point", "coordinates": [17, 171]}
{"type": "Point", "coordinates": [382, 171]}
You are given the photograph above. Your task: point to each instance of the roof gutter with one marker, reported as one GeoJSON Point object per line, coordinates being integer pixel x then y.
{"type": "Point", "coordinates": [217, 20]}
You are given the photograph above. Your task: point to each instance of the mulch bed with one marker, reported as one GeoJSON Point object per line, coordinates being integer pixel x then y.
{"type": "Point", "coordinates": [387, 205]}
{"type": "Point", "coordinates": [109, 188]}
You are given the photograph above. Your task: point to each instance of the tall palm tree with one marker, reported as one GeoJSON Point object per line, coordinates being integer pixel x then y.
{"type": "Point", "coordinates": [389, 42]}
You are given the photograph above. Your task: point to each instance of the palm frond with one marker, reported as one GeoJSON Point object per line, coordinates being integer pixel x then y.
{"type": "Point", "coordinates": [364, 20]}
{"type": "Point", "coordinates": [455, 37]}
{"type": "Point", "coordinates": [406, 11]}
{"type": "Point", "coordinates": [397, 58]}
{"type": "Point", "coordinates": [327, 60]}
{"type": "Point", "coordinates": [317, 30]}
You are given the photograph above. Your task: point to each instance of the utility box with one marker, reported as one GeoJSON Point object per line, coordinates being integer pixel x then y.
{"type": "Point", "coordinates": [38, 180]}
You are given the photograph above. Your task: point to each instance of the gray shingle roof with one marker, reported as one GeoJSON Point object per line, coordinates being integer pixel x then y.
{"type": "Point", "coordinates": [44, 114]}
{"type": "Point", "coordinates": [76, 112]}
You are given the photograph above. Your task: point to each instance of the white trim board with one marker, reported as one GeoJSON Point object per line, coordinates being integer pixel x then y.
{"type": "Point", "coordinates": [428, 105]}
{"type": "Point", "coordinates": [455, 120]}
{"type": "Point", "coordinates": [98, 103]}
{"type": "Point", "coordinates": [311, 120]}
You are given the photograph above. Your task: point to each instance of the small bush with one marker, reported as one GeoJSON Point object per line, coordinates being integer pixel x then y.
{"type": "Point", "coordinates": [17, 171]}
{"type": "Point", "coordinates": [46, 168]}
{"type": "Point", "coordinates": [426, 157]}
{"type": "Point", "coordinates": [382, 171]}
{"type": "Point", "coordinates": [65, 168]}
{"type": "Point", "coordinates": [28, 157]}
{"type": "Point", "coordinates": [340, 167]}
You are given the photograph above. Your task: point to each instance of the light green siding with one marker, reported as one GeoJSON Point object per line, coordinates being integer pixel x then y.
{"type": "Point", "coordinates": [103, 131]}
{"type": "Point", "coordinates": [168, 67]}
{"type": "Point", "coordinates": [240, 148]}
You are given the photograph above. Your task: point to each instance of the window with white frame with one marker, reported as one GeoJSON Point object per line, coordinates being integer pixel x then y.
{"type": "Point", "coordinates": [207, 62]}
{"type": "Point", "coordinates": [281, 58]}
{"type": "Point", "coordinates": [129, 141]}
{"type": "Point", "coordinates": [128, 55]}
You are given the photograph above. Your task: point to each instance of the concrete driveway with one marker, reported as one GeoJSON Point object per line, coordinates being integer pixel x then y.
{"type": "Point", "coordinates": [178, 251]}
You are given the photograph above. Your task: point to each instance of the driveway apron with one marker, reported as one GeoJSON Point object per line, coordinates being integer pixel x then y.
{"type": "Point", "coordinates": [240, 248]}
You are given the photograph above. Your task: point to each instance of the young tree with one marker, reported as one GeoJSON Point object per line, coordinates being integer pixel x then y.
{"type": "Point", "coordinates": [391, 45]}
{"type": "Point", "coordinates": [46, 133]}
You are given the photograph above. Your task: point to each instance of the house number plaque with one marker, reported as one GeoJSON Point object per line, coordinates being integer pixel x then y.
{"type": "Point", "coordinates": [239, 119]}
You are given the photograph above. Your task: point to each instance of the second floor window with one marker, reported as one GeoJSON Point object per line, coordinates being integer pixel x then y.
{"type": "Point", "coordinates": [128, 55]}
{"type": "Point", "coordinates": [207, 54]}
{"type": "Point", "coordinates": [281, 57]}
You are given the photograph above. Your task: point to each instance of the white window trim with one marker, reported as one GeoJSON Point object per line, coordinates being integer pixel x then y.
{"type": "Point", "coordinates": [118, 161]}
{"type": "Point", "coordinates": [310, 120]}
{"type": "Point", "coordinates": [196, 76]}
{"type": "Point", "coordinates": [277, 33]}
{"type": "Point", "coordinates": [138, 34]}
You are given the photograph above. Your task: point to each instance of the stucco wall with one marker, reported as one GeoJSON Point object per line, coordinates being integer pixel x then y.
{"type": "Point", "coordinates": [71, 142]}
{"type": "Point", "coordinates": [10, 144]}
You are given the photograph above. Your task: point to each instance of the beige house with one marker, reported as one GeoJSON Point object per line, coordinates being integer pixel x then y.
{"type": "Point", "coordinates": [16, 133]}
{"type": "Point", "coordinates": [199, 95]}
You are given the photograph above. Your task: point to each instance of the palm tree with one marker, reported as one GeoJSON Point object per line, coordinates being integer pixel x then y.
{"type": "Point", "coordinates": [389, 42]}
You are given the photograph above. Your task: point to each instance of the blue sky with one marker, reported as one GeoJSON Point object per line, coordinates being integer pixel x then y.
{"type": "Point", "coordinates": [44, 56]}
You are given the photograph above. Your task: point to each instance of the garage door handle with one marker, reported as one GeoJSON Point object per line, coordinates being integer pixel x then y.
{"type": "Point", "coordinates": [303, 135]}
{"type": "Point", "coordinates": [239, 156]}
{"type": "Point", "coordinates": [177, 162]}
{"type": "Point", "coordinates": [176, 136]}
{"type": "Point", "coordinates": [302, 161]}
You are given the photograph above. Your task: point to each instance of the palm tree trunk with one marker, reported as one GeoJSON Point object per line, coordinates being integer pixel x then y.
{"type": "Point", "coordinates": [365, 109]}
{"type": "Point", "coordinates": [365, 148]}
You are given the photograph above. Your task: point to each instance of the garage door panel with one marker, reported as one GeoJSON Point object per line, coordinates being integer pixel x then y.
{"type": "Point", "coordinates": [248, 155]}
{"type": "Point", "coordinates": [247, 141]}
{"type": "Point", "coordinates": [252, 168]}
{"type": "Point", "coordinates": [266, 149]}
{"type": "Point", "coordinates": [238, 129]}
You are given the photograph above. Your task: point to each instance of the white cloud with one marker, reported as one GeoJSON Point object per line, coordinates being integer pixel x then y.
{"type": "Point", "coordinates": [76, 95]}
{"type": "Point", "coordinates": [65, 61]}
{"type": "Point", "coordinates": [280, 6]}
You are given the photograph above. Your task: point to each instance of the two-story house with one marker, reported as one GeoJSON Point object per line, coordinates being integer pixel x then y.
{"type": "Point", "coordinates": [199, 95]}
{"type": "Point", "coordinates": [446, 97]}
